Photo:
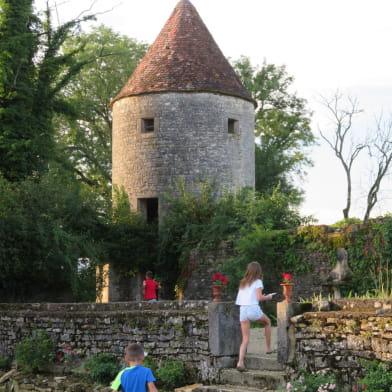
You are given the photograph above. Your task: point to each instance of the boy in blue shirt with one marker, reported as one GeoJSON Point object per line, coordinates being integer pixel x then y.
{"type": "Point", "coordinates": [135, 378]}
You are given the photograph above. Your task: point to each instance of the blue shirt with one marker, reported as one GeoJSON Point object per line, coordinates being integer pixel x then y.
{"type": "Point", "coordinates": [134, 379]}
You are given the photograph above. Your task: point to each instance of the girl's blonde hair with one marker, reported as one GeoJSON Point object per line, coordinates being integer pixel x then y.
{"type": "Point", "coordinates": [253, 272]}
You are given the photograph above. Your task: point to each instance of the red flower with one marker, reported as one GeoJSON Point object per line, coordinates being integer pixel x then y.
{"type": "Point", "coordinates": [287, 278]}
{"type": "Point", "coordinates": [218, 278]}
{"type": "Point", "coordinates": [355, 388]}
{"type": "Point", "coordinates": [364, 387]}
{"type": "Point", "coordinates": [59, 356]}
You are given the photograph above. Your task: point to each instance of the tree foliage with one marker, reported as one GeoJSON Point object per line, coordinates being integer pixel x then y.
{"type": "Point", "coordinates": [54, 229]}
{"type": "Point", "coordinates": [84, 135]}
{"type": "Point", "coordinates": [54, 232]}
{"type": "Point", "coordinates": [32, 72]}
{"type": "Point", "coordinates": [282, 126]}
{"type": "Point", "coordinates": [45, 228]}
{"type": "Point", "coordinates": [197, 219]}
{"type": "Point", "coordinates": [130, 242]}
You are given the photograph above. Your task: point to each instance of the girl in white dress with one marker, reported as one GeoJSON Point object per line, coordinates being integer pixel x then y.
{"type": "Point", "coordinates": [249, 294]}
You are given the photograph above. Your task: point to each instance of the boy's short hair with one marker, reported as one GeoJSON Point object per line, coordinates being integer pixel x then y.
{"type": "Point", "coordinates": [134, 352]}
{"type": "Point", "coordinates": [149, 274]}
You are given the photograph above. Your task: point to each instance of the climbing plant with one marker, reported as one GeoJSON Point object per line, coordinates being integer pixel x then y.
{"type": "Point", "coordinates": [198, 219]}
{"type": "Point", "coordinates": [369, 250]}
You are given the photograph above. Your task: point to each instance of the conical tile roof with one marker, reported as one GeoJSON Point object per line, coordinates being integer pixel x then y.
{"type": "Point", "coordinates": [184, 58]}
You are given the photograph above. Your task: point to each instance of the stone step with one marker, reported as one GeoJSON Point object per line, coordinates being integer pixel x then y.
{"type": "Point", "coordinates": [229, 388]}
{"type": "Point", "coordinates": [263, 362]}
{"type": "Point", "coordinates": [266, 379]}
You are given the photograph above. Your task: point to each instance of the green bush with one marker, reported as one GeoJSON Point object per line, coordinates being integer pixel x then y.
{"type": "Point", "coordinates": [5, 362]}
{"type": "Point", "coordinates": [171, 375]}
{"type": "Point", "coordinates": [312, 382]}
{"type": "Point", "coordinates": [35, 354]}
{"type": "Point", "coordinates": [150, 363]}
{"type": "Point", "coordinates": [378, 379]}
{"type": "Point", "coordinates": [199, 219]}
{"type": "Point", "coordinates": [102, 367]}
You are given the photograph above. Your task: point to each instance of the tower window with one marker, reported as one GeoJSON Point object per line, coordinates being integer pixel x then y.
{"type": "Point", "coordinates": [149, 208]}
{"type": "Point", "coordinates": [147, 125]}
{"type": "Point", "coordinates": [232, 126]}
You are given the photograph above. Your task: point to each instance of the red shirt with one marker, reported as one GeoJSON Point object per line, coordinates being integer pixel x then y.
{"type": "Point", "coordinates": [150, 289]}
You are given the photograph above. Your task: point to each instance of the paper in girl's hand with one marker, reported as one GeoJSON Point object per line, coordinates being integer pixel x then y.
{"type": "Point", "coordinates": [272, 294]}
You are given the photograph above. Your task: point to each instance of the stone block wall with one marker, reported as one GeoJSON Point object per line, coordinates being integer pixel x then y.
{"type": "Point", "coordinates": [190, 140]}
{"type": "Point", "coordinates": [202, 264]}
{"type": "Point", "coordinates": [200, 268]}
{"type": "Point", "coordinates": [338, 338]}
{"type": "Point", "coordinates": [166, 329]}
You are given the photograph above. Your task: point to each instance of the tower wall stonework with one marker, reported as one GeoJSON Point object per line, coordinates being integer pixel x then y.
{"type": "Point", "coordinates": [190, 140]}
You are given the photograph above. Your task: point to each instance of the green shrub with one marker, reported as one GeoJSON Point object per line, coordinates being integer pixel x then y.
{"type": "Point", "coordinates": [171, 375]}
{"type": "Point", "coordinates": [5, 362]}
{"type": "Point", "coordinates": [312, 382]}
{"type": "Point", "coordinates": [102, 367]}
{"type": "Point", "coordinates": [378, 379]}
{"type": "Point", "coordinates": [150, 363]}
{"type": "Point", "coordinates": [35, 354]}
{"type": "Point", "coordinates": [346, 222]}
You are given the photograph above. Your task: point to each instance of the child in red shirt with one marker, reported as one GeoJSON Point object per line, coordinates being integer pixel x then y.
{"type": "Point", "coordinates": [150, 287]}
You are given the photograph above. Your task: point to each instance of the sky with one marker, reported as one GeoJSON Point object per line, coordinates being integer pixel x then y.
{"type": "Point", "coordinates": [325, 45]}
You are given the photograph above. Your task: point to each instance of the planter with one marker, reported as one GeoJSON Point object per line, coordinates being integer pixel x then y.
{"type": "Point", "coordinates": [217, 292]}
{"type": "Point", "coordinates": [287, 291]}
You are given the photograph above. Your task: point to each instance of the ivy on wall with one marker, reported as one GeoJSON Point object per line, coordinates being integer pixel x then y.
{"type": "Point", "coordinates": [369, 247]}
{"type": "Point", "coordinates": [201, 220]}
{"type": "Point", "coordinates": [267, 229]}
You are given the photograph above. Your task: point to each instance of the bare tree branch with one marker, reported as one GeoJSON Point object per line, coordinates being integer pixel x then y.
{"type": "Point", "coordinates": [380, 151]}
{"type": "Point", "coordinates": [342, 119]}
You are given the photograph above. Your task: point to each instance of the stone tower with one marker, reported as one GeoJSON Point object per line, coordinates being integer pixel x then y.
{"type": "Point", "coordinates": [183, 113]}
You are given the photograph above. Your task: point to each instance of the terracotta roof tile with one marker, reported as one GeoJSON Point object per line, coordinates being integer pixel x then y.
{"type": "Point", "coordinates": [184, 58]}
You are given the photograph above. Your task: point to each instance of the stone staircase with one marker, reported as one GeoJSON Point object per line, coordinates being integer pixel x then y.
{"type": "Point", "coordinates": [264, 373]}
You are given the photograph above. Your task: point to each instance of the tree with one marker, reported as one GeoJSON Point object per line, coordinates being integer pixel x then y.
{"type": "Point", "coordinates": [32, 72]}
{"type": "Point", "coordinates": [342, 110]}
{"type": "Point", "coordinates": [46, 226]}
{"type": "Point", "coordinates": [200, 220]}
{"type": "Point", "coordinates": [347, 151]}
{"type": "Point", "coordinates": [85, 134]}
{"type": "Point", "coordinates": [282, 126]}
{"type": "Point", "coordinates": [380, 151]}
{"type": "Point", "coordinates": [18, 43]}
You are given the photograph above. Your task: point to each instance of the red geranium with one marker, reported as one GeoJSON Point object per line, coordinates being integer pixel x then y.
{"type": "Point", "coordinates": [287, 278]}
{"type": "Point", "coordinates": [218, 278]}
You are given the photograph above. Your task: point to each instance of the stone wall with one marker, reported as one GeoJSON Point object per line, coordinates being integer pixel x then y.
{"type": "Point", "coordinates": [200, 268]}
{"type": "Point", "coordinates": [192, 331]}
{"type": "Point", "coordinates": [338, 338]}
{"type": "Point", "coordinates": [202, 264]}
{"type": "Point", "coordinates": [307, 285]}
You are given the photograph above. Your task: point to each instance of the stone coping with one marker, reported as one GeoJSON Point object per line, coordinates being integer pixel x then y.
{"type": "Point", "coordinates": [360, 305]}
{"type": "Point", "coordinates": [105, 307]}
{"type": "Point", "coordinates": [332, 316]}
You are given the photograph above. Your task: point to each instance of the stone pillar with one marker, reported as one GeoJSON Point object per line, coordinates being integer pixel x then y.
{"type": "Point", "coordinates": [286, 336]}
{"type": "Point", "coordinates": [224, 332]}
{"type": "Point", "coordinates": [102, 284]}
{"type": "Point", "coordinates": [113, 285]}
